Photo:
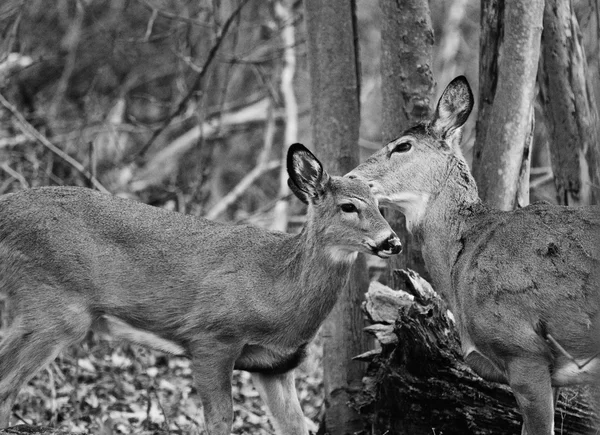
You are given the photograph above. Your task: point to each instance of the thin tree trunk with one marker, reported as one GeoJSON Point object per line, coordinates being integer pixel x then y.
{"type": "Point", "coordinates": [510, 47]}
{"type": "Point", "coordinates": [408, 89]}
{"type": "Point", "coordinates": [284, 14]}
{"type": "Point", "coordinates": [334, 72]}
{"type": "Point", "coordinates": [570, 107]}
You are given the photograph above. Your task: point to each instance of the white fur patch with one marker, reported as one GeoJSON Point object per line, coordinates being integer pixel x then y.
{"type": "Point", "coordinates": [571, 373]}
{"type": "Point", "coordinates": [411, 204]}
{"type": "Point", "coordinates": [341, 255]}
{"type": "Point", "coordinates": [119, 329]}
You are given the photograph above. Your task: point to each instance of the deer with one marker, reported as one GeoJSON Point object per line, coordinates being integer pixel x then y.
{"type": "Point", "coordinates": [523, 285]}
{"type": "Point", "coordinates": [226, 296]}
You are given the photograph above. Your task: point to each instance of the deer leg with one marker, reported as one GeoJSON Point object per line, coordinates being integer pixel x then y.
{"type": "Point", "coordinates": [212, 370]}
{"type": "Point", "coordinates": [29, 346]}
{"type": "Point", "coordinates": [530, 382]}
{"type": "Point", "coordinates": [279, 394]}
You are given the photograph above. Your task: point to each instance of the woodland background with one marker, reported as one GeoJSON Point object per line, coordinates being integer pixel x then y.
{"type": "Point", "coordinates": [191, 104]}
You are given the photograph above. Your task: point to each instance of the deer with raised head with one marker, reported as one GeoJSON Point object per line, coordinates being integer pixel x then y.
{"type": "Point", "coordinates": [228, 297]}
{"type": "Point", "coordinates": [524, 286]}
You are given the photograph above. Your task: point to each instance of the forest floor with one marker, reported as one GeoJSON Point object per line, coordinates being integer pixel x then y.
{"type": "Point", "coordinates": [105, 388]}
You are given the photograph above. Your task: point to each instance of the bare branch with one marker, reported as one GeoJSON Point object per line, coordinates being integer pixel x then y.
{"type": "Point", "coordinates": [10, 171]}
{"type": "Point", "coordinates": [30, 131]}
{"type": "Point", "coordinates": [71, 40]}
{"type": "Point", "coordinates": [174, 17]}
{"type": "Point", "coordinates": [198, 81]}
{"type": "Point", "coordinates": [150, 25]}
{"type": "Point", "coordinates": [262, 165]}
{"type": "Point", "coordinates": [240, 188]}
{"type": "Point", "coordinates": [283, 11]}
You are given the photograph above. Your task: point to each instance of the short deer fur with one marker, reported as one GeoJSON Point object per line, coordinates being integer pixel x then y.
{"type": "Point", "coordinates": [524, 286]}
{"type": "Point", "coordinates": [72, 259]}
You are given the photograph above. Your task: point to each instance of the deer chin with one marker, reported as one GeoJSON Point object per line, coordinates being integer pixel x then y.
{"type": "Point", "coordinates": [411, 204]}
{"type": "Point", "coordinates": [341, 254]}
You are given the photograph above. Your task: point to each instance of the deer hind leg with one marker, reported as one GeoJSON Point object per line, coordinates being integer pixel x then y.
{"type": "Point", "coordinates": [29, 345]}
{"type": "Point", "coordinates": [279, 393]}
{"type": "Point", "coordinates": [530, 381]}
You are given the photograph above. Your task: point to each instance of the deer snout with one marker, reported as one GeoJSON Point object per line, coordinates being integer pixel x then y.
{"type": "Point", "coordinates": [390, 246]}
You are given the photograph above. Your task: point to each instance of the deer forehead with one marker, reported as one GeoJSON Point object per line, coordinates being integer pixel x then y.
{"type": "Point", "coordinates": [352, 189]}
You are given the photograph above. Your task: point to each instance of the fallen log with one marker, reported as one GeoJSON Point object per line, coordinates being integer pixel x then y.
{"type": "Point", "coordinates": [417, 381]}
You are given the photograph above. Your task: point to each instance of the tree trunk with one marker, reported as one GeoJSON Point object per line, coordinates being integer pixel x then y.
{"type": "Point", "coordinates": [408, 89]}
{"type": "Point", "coordinates": [418, 383]}
{"type": "Point", "coordinates": [570, 107]}
{"type": "Point", "coordinates": [334, 73]}
{"type": "Point", "coordinates": [510, 46]}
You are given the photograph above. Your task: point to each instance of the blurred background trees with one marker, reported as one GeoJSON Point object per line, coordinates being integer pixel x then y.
{"type": "Point", "coordinates": [191, 104]}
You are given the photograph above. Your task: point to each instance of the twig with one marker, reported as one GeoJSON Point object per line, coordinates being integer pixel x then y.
{"type": "Point", "coordinates": [19, 139]}
{"type": "Point", "coordinates": [541, 180]}
{"type": "Point", "coordinates": [240, 188]}
{"type": "Point", "coordinates": [199, 78]}
{"type": "Point", "coordinates": [162, 409]}
{"type": "Point", "coordinates": [30, 130]}
{"type": "Point", "coordinates": [20, 417]}
{"type": "Point", "coordinates": [262, 165]}
{"type": "Point", "coordinates": [568, 355]}
{"type": "Point", "coordinates": [72, 39]}
{"type": "Point", "coordinates": [174, 17]}
{"type": "Point", "coordinates": [150, 24]}
{"type": "Point", "coordinates": [10, 171]}
{"type": "Point", "coordinates": [265, 208]}
{"type": "Point", "coordinates": [53, 402]}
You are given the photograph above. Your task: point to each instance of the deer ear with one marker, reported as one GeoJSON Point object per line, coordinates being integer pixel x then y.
{"type": "Point", "coordinates": [307, 177]}
{"type": "Point", "coordinates": [453, 109]}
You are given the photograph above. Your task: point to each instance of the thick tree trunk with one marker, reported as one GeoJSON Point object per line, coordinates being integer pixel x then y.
{"type": "Point", "coordinates": [570, 107]}
{"type": "Point", "coordinates": [510, 46]}
{"type": "Point", "coordinates": [333, 67]}
{"type": "Point", "coordinates": [419, 384]}
{"type": "Point", "coordinates": [408, 89]}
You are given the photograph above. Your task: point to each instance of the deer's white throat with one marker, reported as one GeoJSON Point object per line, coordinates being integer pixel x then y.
{"type": "Point", "coordinates": [411, 204]}
{"type": "Point", "coordinates": [341, 254]}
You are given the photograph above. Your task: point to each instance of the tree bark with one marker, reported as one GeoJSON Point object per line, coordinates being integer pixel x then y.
{"type": "Point", "coordinates": [408, 90]}
{"type": "Point", "coordinates": [419, 384]}
{"type": "Point", "coordinates": [334, 73]}
{"type": "Point", "coordinates": [570, 107]}
{"type": "Point", "coordinates": [510, 46]}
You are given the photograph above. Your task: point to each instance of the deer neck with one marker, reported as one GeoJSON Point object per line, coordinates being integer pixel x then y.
{"type": "Point", "coordinates": [447, 218]}
{"type": "Point", "coordinates": [317, 272]}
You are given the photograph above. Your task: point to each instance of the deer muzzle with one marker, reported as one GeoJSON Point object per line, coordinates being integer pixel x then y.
{"type": "Point", "coordinates": [389, 247]}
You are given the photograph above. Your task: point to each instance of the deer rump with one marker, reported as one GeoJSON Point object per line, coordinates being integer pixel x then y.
{"type": "Point", "coordinates": [531, 285]}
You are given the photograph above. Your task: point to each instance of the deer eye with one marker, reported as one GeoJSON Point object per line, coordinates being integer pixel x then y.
{"type": "Point", "coordinates": [349, 208]}
{"type": "Point", "coordinates": [402, 147]}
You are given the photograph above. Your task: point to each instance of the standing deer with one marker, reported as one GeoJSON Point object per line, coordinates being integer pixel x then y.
{"type": "Point", "coordinates": [72, 259]}
{"type": "Point", "coordinates": [524, 286]}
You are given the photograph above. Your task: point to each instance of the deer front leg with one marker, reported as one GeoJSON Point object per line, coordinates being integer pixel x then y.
{"type": "Point", "coordinates": [212, 377]}
{"type": "Point", "coordinates": [279, 393]}
{"type": "Point", "coordinates": [530, 382]}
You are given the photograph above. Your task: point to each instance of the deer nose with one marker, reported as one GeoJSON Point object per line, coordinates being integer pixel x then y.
{"type": "Point", "coordinates": [392, 245]}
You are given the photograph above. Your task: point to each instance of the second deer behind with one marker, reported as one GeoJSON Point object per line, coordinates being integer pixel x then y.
{"type": "Point", "coordinates": [524, 286]}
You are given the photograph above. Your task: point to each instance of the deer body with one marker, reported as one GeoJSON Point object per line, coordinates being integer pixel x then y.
{"type": "Point", "coordinates": [524, 286]}
{"type": "Point", "coordinates": [72, 259]}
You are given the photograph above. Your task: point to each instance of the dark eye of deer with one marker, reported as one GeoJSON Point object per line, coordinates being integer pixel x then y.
{"type": "Point", "coordinates": [349, 208]}
{"type": "Point", "coordinates": [402, 147]}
